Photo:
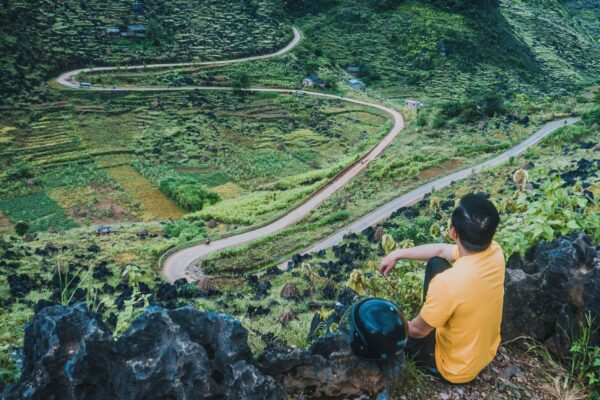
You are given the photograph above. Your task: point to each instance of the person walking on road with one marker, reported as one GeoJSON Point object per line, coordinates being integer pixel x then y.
{"type": "Point", "coordinates": [457, 332]}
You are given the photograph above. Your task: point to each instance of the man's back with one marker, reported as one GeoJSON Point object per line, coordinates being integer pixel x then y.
{"type": "Point", "coordinates": [464, 303]}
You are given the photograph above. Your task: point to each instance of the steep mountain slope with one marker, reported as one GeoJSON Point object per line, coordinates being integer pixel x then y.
{"type": "Point", "coordinates": [42, 37]}
{"type": "Point", "coordinates": [586, 13]}
{"type": "Point", "coordinates": [443, 50]}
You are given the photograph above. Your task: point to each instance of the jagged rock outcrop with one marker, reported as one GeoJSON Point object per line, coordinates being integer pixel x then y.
{"type": "Point", "coordinates": [176, 354]}
{"type": "Point", "coordinates": [550, 292]}
{"type": "Point", "coordinates": [329, 369]}
{"type": "Point", "coordinates": [181, 354]}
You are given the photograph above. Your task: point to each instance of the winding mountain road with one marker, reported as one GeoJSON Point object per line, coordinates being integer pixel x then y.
{"type": "Point", "coordinates": [386, 210]}
{"type": "Point", "coordinates": [68, 79]}
{"type": "Point", "coordinates": [179, 263]}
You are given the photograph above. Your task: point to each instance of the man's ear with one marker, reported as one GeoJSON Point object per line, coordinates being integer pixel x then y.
{"type": "Point", "coordinates": [453, 234]}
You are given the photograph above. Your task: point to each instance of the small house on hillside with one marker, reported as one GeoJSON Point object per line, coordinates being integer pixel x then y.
{"type": "Point", "coordinates": [104, 230]}
{"type": "Point", "coordinates": [312, 80]}
{"type": "Point", "coordinates": [356, 84]}
{"type": "Point", "coordinates": [112, 32]}
{"type": "Point", "coordinates": [413, 104]}
{"type": "Point", "coordinates": [353, 70]}
{"type": "Point", "coordinates": [136, 31]}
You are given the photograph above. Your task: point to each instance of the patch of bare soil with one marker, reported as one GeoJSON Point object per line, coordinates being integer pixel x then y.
{"type": "Point", "coordinates": [513, 374]}
{"type": "Point", "coordinates": [444, 167]}
{"type": "Point", "coordinates": [5, 224]}
{"type": "Point", "coordinates": [102, 212]}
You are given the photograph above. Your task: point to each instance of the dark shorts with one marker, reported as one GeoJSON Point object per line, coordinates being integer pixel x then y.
{"type": "Point", "coordinates": [422, 351]}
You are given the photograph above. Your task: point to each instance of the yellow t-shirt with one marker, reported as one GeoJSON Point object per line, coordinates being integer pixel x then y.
{"type": "Point", "coordinates": [464, 304]}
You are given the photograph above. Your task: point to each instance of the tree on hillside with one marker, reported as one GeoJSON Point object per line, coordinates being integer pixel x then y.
{"type": "Point", "coordinates": [155, 32]}
{"type": "Point", "coordinates": [384, 5]}
{"type": "Point", "coordinates": [241, 81]}
{"type": "Point", "coordinates": [308, 6]}
{"type": "Point", "coordinates": [367, 72]}
{"type": "Point", "coordinates": [467, 5]}
{"type": "Point", "coordinates": [21, 228]}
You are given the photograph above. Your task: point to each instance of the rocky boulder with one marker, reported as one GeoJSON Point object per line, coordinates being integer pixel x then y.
{"type": "Point", "coordinates": [329, 369]}
{"type": "Point", "coordinates": [176, 354]}
{"type": "Point", "coordinates": [181, 354]}
{"type": "Point", "coordinates": [551, 291]}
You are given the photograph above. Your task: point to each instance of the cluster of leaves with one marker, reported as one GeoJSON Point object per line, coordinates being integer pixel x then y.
{"type": "Point", "coordinates": [544, 214]}
{"type": "Point", "coordinates": [585, 360]}
{"type": "Point", "coordinates": [131, 310]}
{"type": "Point", "coordinates": [403, 286]}
{"type": "Point", "coordinates": [188, 193]}
{"type": "Point", "coordinates": [475, 107]}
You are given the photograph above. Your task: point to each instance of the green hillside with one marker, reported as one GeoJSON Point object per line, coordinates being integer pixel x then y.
{"type": "Point", "coordinates": [587, 14]}
{"type": "Point", "coordinates": [439, 50]}
{"type": "Point", "coordinates": [41, 38]}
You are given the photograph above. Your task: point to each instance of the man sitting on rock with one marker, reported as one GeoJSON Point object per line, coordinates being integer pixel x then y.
{"type": "Point", "coordinates": [457, 332]}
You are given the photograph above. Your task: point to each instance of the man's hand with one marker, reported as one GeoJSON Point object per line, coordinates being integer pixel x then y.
{"type": "Point", "coordinates": [424, 252]}
{"type": "Point", "coordinates": [387, 264]}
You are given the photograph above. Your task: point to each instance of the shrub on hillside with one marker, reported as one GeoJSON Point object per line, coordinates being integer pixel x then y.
{"type": "Point", "coordinates": [185, 191]}
{"type": "Point", "coordinates": [186, 230]}
{"type": "Point", "coordinates": [384, 5]}
{"type": "Point", "coordinates": [474, 108]}
{"type": "Point", "coordinates": [21, 228]}
{"type": "Point", "coordinates": [188, 193]}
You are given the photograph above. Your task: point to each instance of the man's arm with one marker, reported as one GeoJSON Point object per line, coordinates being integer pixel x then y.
{"type": "Point", "coordinates": [424, 252]}
{"type": "Point", "coordinates": [418, 328]}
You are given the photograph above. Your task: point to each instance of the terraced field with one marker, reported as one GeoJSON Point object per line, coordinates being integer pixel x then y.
{"type": "Point", "coordinates": [258, 147]}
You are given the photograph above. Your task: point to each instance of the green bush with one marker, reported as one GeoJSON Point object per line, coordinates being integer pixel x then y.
{"type": "Point", "coordinates": [186, 230]}
{"type": "Point", "coordinates": [21, 228]}
{"type": "Point", "coordinates": [384, 5]}
{"type": "Point", "coordinates": [544, 214]}
{"type": "Point", "coordinates": [188, 193]}
{"type": "Point", "coordinates": [417, 230]}
{"type": "Point", "coordinates": [567, 134]}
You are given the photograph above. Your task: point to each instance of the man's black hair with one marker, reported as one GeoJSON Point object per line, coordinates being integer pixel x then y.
{"type": "Point", "coordinates": [475, 220]}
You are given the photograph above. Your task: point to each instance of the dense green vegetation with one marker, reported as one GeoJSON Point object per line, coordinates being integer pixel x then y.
{"type": "Point", "coordinates": [431, 50]}
{"type": "Point", "coordinates": [403, 166]}
{"type": "Point", "coordinates": [41, 38]}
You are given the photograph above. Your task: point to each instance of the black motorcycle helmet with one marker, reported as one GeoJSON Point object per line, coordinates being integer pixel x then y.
{"type": "Point", "coordinates": [377, 329]}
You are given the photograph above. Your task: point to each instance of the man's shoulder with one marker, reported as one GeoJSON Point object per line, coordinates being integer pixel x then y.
{"type": "Point", "coordinates": [450, 278]}
{"type": "Point", "coordinates": [495, 247]}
